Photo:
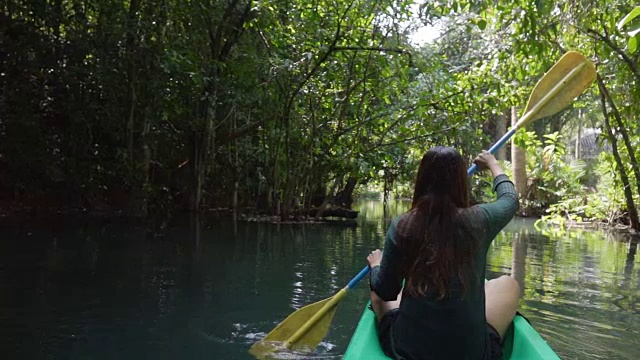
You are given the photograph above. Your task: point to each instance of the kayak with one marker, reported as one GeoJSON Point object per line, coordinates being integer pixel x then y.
{"type": "Point", "coordinates": [522, 341]}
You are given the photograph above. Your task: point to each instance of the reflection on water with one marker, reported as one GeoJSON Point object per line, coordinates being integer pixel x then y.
{"type": "Point", "coordinates": [206, 288]}
{"type": "Point", "coordinates": [581, 288]}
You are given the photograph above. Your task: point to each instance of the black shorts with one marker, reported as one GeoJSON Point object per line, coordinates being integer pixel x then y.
{"type": "Point", "coordinates": [494, 343]}
{"type": "Point", "coordinates": [385, 335]}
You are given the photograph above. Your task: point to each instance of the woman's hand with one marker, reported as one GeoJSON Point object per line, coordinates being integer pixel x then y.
{"type": "Point", "coordinates": [485, 160]}
{"type": "Point", "coordinates": [374, 258]}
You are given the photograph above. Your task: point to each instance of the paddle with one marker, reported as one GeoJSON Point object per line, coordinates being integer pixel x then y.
{"type": "Point", "coordinates": [567, 79]}
{"type": "Point", "coordinates": [306, 327]}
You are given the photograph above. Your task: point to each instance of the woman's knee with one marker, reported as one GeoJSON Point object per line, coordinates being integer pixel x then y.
{"type": "Point", "coordinates": [502, 296]}
{"type": "Point", "coordinates": [381, 307]}
{"type": "Point", "coordinates": [509, 284]}
{"type": "Point", "coordinates": [504, 283]}
{"type": "Point", "coordinates": [504, 290]}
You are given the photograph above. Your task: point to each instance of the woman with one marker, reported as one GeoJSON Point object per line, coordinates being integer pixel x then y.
{"type": "Point", "coordinates": [439, 248]}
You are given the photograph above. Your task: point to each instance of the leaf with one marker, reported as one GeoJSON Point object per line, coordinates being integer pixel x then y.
{"type": "Point", "coordinates": [634, 30]}
{"type": "Point", "coordinates": [633, 44]}
{"type": "Point", "coordinates": [630, 16]}
{"type": "Point", "coordinates": [482, 24]}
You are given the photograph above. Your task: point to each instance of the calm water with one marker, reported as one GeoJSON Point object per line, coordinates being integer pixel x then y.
{"type": "Point", "coordinates": [207, 290]}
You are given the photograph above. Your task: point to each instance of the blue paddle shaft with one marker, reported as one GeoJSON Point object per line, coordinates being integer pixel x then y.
{"type": "Point", "coordinates": [494, 148]}
{"type": "Point", "coordinates": [358, 277]}
{"type": "Point", "coordinates": [470, 172]}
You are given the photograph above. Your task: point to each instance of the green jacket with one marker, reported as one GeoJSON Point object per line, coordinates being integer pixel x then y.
{"type": "Point", "coordinates": [453, 327]}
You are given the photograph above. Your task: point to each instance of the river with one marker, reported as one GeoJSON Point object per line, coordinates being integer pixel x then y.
{"type": "Point", "coordinates": [208, 288]}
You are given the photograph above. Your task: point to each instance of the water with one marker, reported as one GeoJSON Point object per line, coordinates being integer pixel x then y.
{"type": "Point", "coordinates": [206, 289]}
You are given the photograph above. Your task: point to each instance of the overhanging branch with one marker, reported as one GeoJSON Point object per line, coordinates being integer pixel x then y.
{"type": "Point", "coordinates": [596, 35]}
{"type": "Point", "coordinates": [378, 49]}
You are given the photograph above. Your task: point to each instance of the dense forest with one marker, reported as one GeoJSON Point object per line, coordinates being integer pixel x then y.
{"type": "Point", "coordinates": [280, 106]}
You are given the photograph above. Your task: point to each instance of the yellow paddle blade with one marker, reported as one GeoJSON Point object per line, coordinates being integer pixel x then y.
{"type": "Point", "coordinates": [567, 79]}
{"type": "Point", "coordinates": [302, 330]}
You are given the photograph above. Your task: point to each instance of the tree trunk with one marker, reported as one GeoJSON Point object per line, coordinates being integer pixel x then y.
{"type": "Point", "coordinates": [236, 186]}
{"type": "Point", "coordinates": [327, 199]}
{"type": "Point", "coordinates": [202, 145]}
{"type": "Point", "coordinates": [501, 129]}
{"type": "Point", "coordinates": [223, 36]}
{"type": "Point", "coordinates": [623, 131]}
{"type": "Point", "coordinates": [237, 173]}
{"type": "Point", "coordinates": [386, 197]}
{"type": "Point", "coordinates": [197, 174]}
{"type": "Point", "coordinates": [274, 193]}
{"type": "Point", "coordinates": [518, 162]}
{"type": "Point", "coordinates": [578, 154]}
{"type": "Point", "coordinates": [287, 198]}
{"type": "Point", "coordinates": [131, 120]}
{"type": "Point", "coordinates": [631, 207]}
{"type": "Point", "coordinates": [146, 165]}
{"type": "Point", "coordinates": [132, 26]}
{"type": "Point", "coordinates": [138, 173]}
{"type": "Point", "coordinates": [344, 198]}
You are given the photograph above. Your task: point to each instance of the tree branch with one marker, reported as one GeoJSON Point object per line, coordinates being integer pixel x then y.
{"type": "Point", "coordinates": [404, 140]}
{"type": "Point", "coordinates": [594, 34]}
{"type": "Point", "coordinates": [320, 61]}
{"type": "Point", "coordinates": [623, 131]}
{"type": "Point", "coordinates": [372, 48]}
{"type": "Point", "coordinates": [238, 133]}
{"type": "Point", "coordinates": [631, 207]}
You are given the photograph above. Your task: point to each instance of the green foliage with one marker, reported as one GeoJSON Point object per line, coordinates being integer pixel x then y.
{"type": "Point", "coordinates": [521, 39]}
{"type": "Point", "coordinates": [277, 102]}
{"type": "Point", "coordinates": [604, 204]}
{"type": "Point", "coordinates": [550, 177]}
{"type": "Point", "coordinates": [482, 184]}
{"type": "Point", "coordinates": [632, 20]}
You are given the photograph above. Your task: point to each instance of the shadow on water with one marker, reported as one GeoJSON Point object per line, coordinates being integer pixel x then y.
{"type": "Point", "coordinates": [210, 288]}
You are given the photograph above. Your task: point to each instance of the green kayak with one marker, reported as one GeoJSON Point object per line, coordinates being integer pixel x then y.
{"type": "Point", "coordinates": [522, 341]}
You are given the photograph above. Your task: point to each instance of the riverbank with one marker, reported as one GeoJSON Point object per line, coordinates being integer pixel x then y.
{"type": "Point", "coordinates": [160, 217]}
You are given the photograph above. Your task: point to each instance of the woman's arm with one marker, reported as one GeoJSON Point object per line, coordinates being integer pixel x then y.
{"type": "Point", "coordinates": [498, 213]}
{"type": "Point", "coordinates": [386, 268]}
{"type": "Point", "coordinates": [501, 211]}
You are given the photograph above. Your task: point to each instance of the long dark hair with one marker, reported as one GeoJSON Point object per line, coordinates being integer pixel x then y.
{"type": "Point", "coordinates": [434, 250]}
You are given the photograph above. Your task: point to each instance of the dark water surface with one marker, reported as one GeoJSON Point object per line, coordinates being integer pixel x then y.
{"type": "Point", "coordinates": [206, 289]}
